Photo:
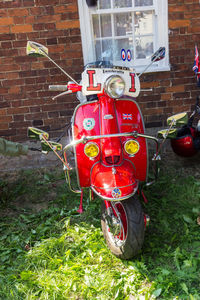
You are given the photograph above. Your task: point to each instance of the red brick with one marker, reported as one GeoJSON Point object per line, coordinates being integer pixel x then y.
{"type": "Point", "coordinates": [3, 12]}
{"type": "Point", "coordinates": [175, 89]}
{"type": "Point", "coordinates": [6, 21]}
{"type": "Point", "coordinates": [21, 28]}
{"type": "Point", "coordinates": [68, 24]}
{"type": "Point", "coordinates": [47, 19]}
{"type": "Point", "coordinates": [36, 11]}
{"type": "Point", "coordinates": [14, 90]}
{"type": "Point", "coordinates": [65, 8]}
{"type": "Point", "coordinates": [18, 12]}
{"type": "Point", "coordinates": [4, 29]}
{"type": "Point", "coordinates": [2, 112]}
{"type": "Point", "coordinates": [5, 119]}
{"type": "Point", "coordinates": [179, 23]}
{"type": "Point", "coordinates": [3, 126]}
{"type": "Point", "coordinates": [17, 110]}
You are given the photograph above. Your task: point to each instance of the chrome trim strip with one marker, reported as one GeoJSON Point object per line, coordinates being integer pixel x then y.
{"type": "Point", "coordinates": [120, 187]}
{"type": "Point", "coordinates": [115, 199]}
{"type": "Point", "coordinates": [71, 144]}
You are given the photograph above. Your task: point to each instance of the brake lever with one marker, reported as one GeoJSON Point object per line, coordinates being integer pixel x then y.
{"type": "Point", "coordinates": [62, 94]}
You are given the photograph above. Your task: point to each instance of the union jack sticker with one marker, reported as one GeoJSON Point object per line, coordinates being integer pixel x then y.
{"type": "Point", "coordinates": [127, 116]}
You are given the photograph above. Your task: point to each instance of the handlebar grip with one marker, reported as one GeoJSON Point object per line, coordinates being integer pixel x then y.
{"type": "Point", "coordinates": [61, 88]}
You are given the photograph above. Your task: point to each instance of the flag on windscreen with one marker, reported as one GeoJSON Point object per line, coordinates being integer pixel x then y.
{"type": "Point", "coordinates": [196, 67]}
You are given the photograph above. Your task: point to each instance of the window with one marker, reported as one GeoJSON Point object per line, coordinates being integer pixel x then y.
{"type": "Point", "coordinates": [125, 31]}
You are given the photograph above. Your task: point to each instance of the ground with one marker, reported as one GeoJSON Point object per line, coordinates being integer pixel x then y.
{"type": "Point", "coordinates": [49, 251]}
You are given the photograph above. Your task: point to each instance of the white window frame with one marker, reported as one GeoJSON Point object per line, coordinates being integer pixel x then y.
{"type": "Point", "coordinates": [161, 33]}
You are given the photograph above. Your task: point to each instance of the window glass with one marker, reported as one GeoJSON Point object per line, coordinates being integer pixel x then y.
{"type": "Point", "coordinates": [123, 24]}
{"type": "Point", "coordinates": [122, 3]}
{"type": "Point", "coordinates": [120, 44]}
{"type": "Point", "coordinates": [96, 26]}
{"type": "Point", "coordinates": [144, 47]}
{"type": "Point", "coordinates": [104, 4]}
{"type": "Point", "coordinates": [144, 2]}
{"type": "Point", "coordinates": [106, 27]}
{"type": "Point", "coordinates": [143, 22]}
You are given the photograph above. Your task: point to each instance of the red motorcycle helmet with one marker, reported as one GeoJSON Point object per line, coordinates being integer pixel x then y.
{"type": "Point", "coordinates": [185, 143]}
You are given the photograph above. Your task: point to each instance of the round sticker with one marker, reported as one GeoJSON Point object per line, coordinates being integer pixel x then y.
{"type": "Point", "coordinates": [89, 123]}
{"type": "Point", "coordinates": [123, 54]}
{"type": "Point", "coordinates": [116, 193]}
{"type": "Point", "coordinates": [129, 55]}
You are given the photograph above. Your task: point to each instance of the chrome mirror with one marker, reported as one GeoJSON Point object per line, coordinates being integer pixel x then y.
{"type": "Point", "coordinates": [37, 134]}
{"type": "Point", "coordinates": [178, 119]}
{"type": "Point", "coordinates": [158, 55]}
{"type": "Point", "coordinates": [36, 49]}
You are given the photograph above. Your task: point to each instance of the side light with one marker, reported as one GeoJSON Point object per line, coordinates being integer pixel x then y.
{"type": "Point", "coordinates": [131, 147]}
{"type": "Point", "coordinates": [91, 150]}
{"type": "Point", "coordinates": [115, 86]}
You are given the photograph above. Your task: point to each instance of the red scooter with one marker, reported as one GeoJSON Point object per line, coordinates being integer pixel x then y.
{"type": "Point", "coordinates": [109, 146]}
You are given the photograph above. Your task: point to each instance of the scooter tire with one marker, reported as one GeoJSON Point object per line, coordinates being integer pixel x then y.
{"type": "Point", "coordinates": [135, 229]}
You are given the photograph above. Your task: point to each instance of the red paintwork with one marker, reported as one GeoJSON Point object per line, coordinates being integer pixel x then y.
{"type": "Point", "coordinates": [84, 164]}
{"type": "Point", "coordinates": [183, 146]}
{"type": "Point", "coordinates": [74, 87]}
{"type": "Point", "coordinates": [136, 124]}
{"type": "Point", "coordinates": [108, 116]}
{"type": "Point", "coordinates": [109, 146]}
{"type": "Point", "coordinates": [103, 181]}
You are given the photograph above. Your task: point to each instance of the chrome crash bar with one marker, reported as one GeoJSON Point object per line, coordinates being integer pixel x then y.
{"type": "Point", "coordinates": [85, 139]}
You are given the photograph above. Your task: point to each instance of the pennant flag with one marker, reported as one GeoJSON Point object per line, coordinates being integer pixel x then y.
{"type": "Point", "coordinates": [196, 67]}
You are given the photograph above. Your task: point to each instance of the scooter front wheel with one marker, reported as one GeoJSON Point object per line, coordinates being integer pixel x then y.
{"type": "Point", "coordinates": [123, 227]}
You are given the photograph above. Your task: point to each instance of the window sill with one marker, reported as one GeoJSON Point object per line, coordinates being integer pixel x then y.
{"type": "Point", "coordinates": [152, 69]}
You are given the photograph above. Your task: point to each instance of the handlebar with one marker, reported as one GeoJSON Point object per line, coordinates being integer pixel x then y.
{"type": "Point", "coordinates": [60, 88]}
{"type": "Point", "coordinates": [85, 139]}
{"type": "Point", "coordinates": [71, 87]}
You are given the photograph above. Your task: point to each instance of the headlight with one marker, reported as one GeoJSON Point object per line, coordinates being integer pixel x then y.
{"type": "Point", "coordinates": [91, 150]}
{"type": "Point", "coordinates": [115, 86]}
{"type": "Point", "coordinates": [131, 147]}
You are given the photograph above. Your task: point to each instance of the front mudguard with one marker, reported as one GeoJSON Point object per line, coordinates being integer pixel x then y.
{"type": "Point", "coordinates": [114, 183]}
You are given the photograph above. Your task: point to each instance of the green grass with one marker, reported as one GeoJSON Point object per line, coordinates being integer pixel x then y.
{"type": "Point", "coordinates": [48, 251]}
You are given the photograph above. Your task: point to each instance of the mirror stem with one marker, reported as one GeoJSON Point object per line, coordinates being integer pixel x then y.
{"type": "Point", "coordinates": [146, 68]}
{"type": "Point", "coordinates": [154, 59]}
{"type": "Point", "coordinates": [58, 66]}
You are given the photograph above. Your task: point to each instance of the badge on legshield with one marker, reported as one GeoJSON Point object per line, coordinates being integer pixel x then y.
{"type": "Point", "coordinates": [89, 123]}
{"type": "Point", "coordinates": [116, 193]}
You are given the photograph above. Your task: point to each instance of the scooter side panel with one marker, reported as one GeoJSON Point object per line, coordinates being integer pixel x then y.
{"type": "Point", "coordinates": [130, 119]}
{"type": "Point", "coordinates": [85, 123]}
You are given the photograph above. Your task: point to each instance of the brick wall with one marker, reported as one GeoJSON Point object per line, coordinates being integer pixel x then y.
{"type": "Point", "coordinates": [175, 91]}
{"type": "Point", "coordinates": [24, 96]}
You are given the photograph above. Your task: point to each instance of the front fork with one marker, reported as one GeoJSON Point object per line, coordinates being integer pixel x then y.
{"type": "Point", "coordinates": [114, 213]}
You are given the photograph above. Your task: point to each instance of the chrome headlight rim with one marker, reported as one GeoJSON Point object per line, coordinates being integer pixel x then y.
{"type": "Point", "coordinates": [113, 79]}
